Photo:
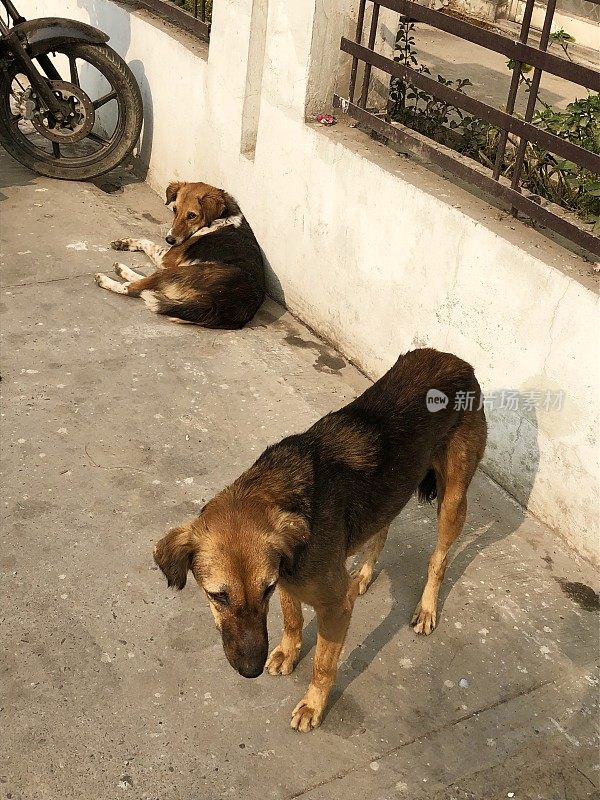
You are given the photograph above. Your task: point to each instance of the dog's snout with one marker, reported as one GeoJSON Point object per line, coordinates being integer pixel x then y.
{"type": "Point", "coordinates": [170, 239]}
{"type": "Point", "coordinates": [246, 648]}
{"type": "Point", "coordinates": [249, 664]}
{"type": "Point", "coordinates": [250, 670]}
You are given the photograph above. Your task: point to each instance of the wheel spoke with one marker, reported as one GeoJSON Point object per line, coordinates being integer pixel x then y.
{"type": "Point", "coordinates": [101, 101]}
{"type": "Point", "coordinates": [56, 149]}
{"type": "Point", "coordinates": [96, 138]}
{"type": "Point", "coordinates": [74, 73]}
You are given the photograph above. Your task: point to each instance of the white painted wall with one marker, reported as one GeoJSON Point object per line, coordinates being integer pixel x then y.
{"type": "Point", "coordinates": [375, 252]}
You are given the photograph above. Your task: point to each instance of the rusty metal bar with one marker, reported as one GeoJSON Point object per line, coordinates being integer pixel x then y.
{"type": "Point", "coordinates": [467, 170]}
{"type": "Point", "coordinates": [202, 9]}
{"type": "Point", "coordinates": [533, 94]}
{"type": "Point", "coordinates": [514, 50]}
{"type": "Point", "coordinates": [372, 35]}
{"type": "Point", "coordinates": [500, 119]}
{"type": "Point", "coordinates": [359, 31]}
{"type": "Point", "coordinates": [178, 16]}
{"type": "Point", "coordinates": [514, 87]}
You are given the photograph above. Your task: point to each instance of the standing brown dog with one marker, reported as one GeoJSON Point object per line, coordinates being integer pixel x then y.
{"type": "Point", "coordinates": [316, 498]}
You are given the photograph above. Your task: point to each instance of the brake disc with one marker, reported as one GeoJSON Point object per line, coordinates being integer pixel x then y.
{"type": "Point", "coordinates": [76, 125]}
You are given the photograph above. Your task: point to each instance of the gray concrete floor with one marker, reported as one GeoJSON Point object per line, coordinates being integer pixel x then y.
{"type": "Point", "coordinates": [117, 424]}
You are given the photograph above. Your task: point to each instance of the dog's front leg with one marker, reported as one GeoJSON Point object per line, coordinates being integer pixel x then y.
{"type": "Point", "coordinates": [332, 621]}
{"type": "Point", "coordinates": [284, 657]}
{"type": "Point", "coordinates": [153, 251]}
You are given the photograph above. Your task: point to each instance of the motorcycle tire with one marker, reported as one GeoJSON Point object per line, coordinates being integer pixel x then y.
{"type": "Point", "coordinates": [123, 140]}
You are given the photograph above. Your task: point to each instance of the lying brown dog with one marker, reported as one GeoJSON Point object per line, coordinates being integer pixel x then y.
{"type": "Point", "coordinates": [316, 498]}
{"type": "Point", "coordinates": [213, 272]}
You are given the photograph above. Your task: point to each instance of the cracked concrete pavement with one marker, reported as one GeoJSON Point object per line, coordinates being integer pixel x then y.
{"type": "Point", "coordinates": [117, 424]}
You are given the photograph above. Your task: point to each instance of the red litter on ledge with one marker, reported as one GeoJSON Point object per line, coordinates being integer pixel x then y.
{"type": "Point", "coordinates": [326, 119]}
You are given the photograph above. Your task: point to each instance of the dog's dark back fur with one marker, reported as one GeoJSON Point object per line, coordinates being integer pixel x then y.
{"type": "Point", "coordinates": [235, 247]}
{"type": "Point", "coordinates": [356, 468]}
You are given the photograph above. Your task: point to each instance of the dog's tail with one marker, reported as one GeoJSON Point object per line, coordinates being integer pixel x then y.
{"type": "Point", "coordinates": [427, 489]}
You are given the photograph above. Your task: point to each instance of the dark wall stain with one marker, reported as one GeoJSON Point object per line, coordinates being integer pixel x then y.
{"type": "Point", "coordinates": [548, 560]}
{"type": "Point", "coordinates": [327, 361]}
{"type": "Point", "coordinates": [581, 593]}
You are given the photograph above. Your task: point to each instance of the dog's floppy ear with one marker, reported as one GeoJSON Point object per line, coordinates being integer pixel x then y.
{"type": "Point", "coordinates": [172, 190]}
{"type": "Point", "coordinates": [290, 531]}
{"type": "Point", "coordinates": [174, 554]}
{"type": "Point", "coordinates": [213, 205]}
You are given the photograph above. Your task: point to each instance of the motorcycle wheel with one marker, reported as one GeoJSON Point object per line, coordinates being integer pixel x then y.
{"type": "Point", "coordinates": [80, 148]}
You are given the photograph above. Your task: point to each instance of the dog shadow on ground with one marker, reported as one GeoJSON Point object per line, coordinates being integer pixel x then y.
{"type": "Point", "coordinates": [406, 566]}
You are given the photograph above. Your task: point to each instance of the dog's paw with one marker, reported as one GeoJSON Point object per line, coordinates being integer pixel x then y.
{"type": "Point", "coordinates": [423, 621]}
{"type": "Point", "coordinates": [118, 268]}
{"type": "Point", "coordinates": [281, 661]}
{"type": "Point", "coordinates": [101, 279]}
{"type": "Point", "coordinates": [364, 576]}
{"type": "Point", "coordinates": [122, 244]}
{"type": "Point", "coordinates": [305, 717]}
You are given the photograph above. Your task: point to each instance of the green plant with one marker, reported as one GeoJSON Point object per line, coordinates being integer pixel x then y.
{"type": "Point", "coordinates": [563, 39]}
{"type": "Point", "coordinates": [543, 174]}
{"type": "Point", "coordinates": [414, 107]}
{"type": "Point", "coordinates": [188, 5]}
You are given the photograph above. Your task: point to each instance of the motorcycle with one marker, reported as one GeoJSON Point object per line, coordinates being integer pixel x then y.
{"type": "Point", "coordinates": [75, 128]}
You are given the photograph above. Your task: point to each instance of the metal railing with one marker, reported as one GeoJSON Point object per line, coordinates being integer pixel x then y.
{"type": "Point", "coordinates": [520, 52]}
{"type": "Point", "coordinates": [193, 15]}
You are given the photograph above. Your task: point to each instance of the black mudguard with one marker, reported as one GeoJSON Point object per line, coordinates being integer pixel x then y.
{"type": "Point", "coordinates": [55, 30]}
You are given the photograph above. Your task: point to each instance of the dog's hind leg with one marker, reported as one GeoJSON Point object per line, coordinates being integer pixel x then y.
{"type": "Point", "coordinates": [104, 282]}
{"type": "Point", "coordinates": [454, 469]}
{"type": "Point", "coordinates": [132, 288]}
{"type": "Point", "coordinates": [154, 252]}
{"type": "Point", "coordinates": [371, 552]}
{"type": "Point", "coordinates": [284, 657]}
{"type": "Point", "coordinates": [125, 272]}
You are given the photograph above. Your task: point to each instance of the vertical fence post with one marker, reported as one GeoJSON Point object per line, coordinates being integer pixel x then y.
{"type": "Point", "coordinates": [359, 32]}
{"type": "Point", "coordinates": [372, 37]}
{"type": "Point", "coordinates": [533, 93]}
{"type": "Point", "coordinates": [514, 87]}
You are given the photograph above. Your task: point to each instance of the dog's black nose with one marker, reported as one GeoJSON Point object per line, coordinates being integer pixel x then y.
{"type": "Point", "coordinates": [170, 239]}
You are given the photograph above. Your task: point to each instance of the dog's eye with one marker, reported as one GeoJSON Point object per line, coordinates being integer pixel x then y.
{"type": "Point", "coordinates": [219, 597]}
{"type": "Point", "coordinates": [191, 215]}
{"type": "Point", "coordinates": [269, 591]}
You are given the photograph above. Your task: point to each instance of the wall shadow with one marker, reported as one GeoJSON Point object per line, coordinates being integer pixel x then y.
{"type": "Point", "coordinates": [118, 27]}
{"type": "Point", "coordinates": [143, 150]}
{"type": "Point", "coordinates": [274, 287]}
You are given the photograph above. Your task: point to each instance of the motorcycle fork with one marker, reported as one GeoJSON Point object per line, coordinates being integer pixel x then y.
{"type": "Point", "coordinates": [57, 108]}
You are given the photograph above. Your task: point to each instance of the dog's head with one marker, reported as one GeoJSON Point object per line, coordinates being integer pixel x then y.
{"type": "Point", "coordinates": [195, 206]}
{"type": "Point", "coordinates": [234, 550]}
